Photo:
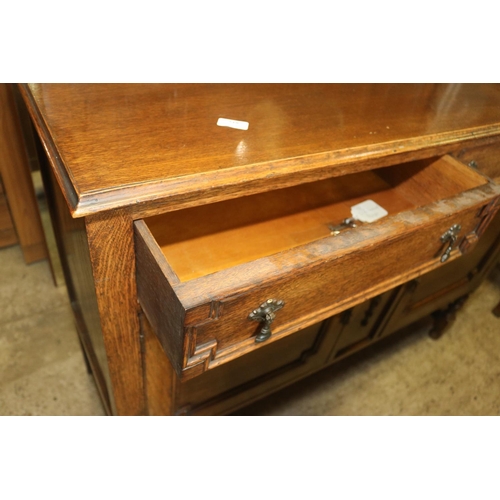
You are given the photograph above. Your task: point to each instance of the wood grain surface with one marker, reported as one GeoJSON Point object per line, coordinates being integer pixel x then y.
{"type": "Point", "coordinates": [121, 145]}
{"type": "Point", "coordinates": [73, 249]}
{"type": "Point", "coordinates": [486, 159]}
{"type": "Point", "coordinates": [111, 246]}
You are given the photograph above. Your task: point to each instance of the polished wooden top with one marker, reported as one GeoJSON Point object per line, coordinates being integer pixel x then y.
{"type": "Point", "coordinates": [114, 145]}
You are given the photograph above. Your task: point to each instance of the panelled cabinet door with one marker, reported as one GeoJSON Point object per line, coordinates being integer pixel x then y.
{"type": "Point", "coordinates": [229, 386]}
{"type": "Point", "coordinates": [363, 324]}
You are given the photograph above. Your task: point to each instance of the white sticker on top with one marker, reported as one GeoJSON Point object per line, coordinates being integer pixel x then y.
{"type": "Point", "coordinates": [226, 122]}
{"type": "Point", "coordinates": [368, 211]}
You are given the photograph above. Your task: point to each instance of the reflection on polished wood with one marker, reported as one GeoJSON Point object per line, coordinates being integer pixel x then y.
{"type": "Point", "coordinates": [137, 143]}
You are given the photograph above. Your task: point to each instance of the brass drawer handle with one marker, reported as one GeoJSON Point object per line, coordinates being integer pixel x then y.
{"type": "Point", "coordinates": [451, 235]}
{"type": "Point", "coordinates": [266, 313]}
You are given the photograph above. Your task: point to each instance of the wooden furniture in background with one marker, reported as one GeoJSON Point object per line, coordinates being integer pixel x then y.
{"type": "Point", "coordinates": [18, 192]}
{"type": "Point", "coordinates": [7, 232]}
{"type": "Point", "coordinates": [178, 235]}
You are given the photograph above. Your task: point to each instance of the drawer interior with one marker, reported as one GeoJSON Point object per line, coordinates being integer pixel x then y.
{"type": "Point", "coordinates": [485, 158]}
{"type": "Point", "coordinates": [202, 240]}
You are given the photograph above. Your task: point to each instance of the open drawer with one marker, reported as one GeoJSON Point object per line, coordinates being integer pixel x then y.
{"type": "Point", "coordinates": [220, 280]}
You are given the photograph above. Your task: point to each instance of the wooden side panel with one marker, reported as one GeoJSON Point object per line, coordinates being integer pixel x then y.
{"type": "Point", "coordinates": [15, 171]}
{"type": "Point", "coordinates": [71, 239]}
{"type": "Point", "coordinates": [432, 179]}
{"type": "Point", "coordinates": [158, 300]}
{"type": "Point", "coordinates": [485, 158]}
{"type": "Point", "coordinates": [111, 245]}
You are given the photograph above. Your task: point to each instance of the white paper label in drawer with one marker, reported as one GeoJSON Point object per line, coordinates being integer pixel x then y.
{"type": "Point", "coordinates": [368, 211]}
{"type": "Point", "coordinates": [226, 122]}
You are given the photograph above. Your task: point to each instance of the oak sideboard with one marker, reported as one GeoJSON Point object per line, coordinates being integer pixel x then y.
{"type": "Point", "coordinates": [222, 241]}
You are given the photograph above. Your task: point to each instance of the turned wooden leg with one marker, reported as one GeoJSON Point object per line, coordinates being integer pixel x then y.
{"type": "Point", "coordinates": [444, 318]}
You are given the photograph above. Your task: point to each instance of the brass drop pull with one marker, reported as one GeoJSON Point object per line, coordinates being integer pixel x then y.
{"type": "Point", "coordinates": [266, 313]}
{"type": "Point", "coordinates": [451, 236]}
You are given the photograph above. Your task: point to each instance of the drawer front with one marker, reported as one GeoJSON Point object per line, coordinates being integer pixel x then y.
{"type": "Point", "coordinates": [444, 285]}
{"type": "Point", "coordinates": [208, 321]}
{"type": "Point", "coordinates": [315, 292]}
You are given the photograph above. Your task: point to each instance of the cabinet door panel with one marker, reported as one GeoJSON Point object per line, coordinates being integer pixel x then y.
{"type": "Point", "coordinates": [261, 372]}
{"type": "Point", "coordinates": [362, 324]}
